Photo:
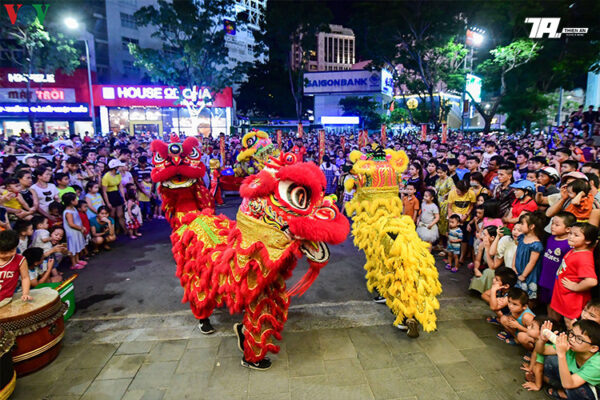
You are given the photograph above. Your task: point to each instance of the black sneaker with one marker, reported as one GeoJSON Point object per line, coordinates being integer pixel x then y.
{"type": "Point", "coordinates": [261, 365]}
{"type": "Point", "coordinates": [205, 326]}
{"type": "Point", "coordinates": [413, 328]}
{"type": "Point", "coordinates": [379, 300]}
{"type": "Point", "coordinates": [239, 332]}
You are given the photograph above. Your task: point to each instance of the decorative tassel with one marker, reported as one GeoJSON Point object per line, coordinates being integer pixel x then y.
{"type": "Point", "coordinates": [307, 280]}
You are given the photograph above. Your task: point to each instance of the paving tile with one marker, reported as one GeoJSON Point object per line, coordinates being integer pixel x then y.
{"type": "Point", "coordinates": [310, 388]}
{"type": "Point", "coordinates": [204, 342]}
{"type": "Point", "coordinates": [106, 389]}
{"type": "Point", "coordinates": [228, 376]}
{"type": "Point", "coordinates": [95, 356]}
{"type": "Point", "coordinates": [487, 359]}
{"type": "Point", "coordinates": [441, 350]}
{"type": "Point", "coordinates": [269, 383]}
{"type": "Point", "coordinates": [388, 383]}
{"type": "Point", "coordinates": [154, 375]}
{"type": "Point", "coordinates": [272, 396]}
{"type": "Point", "coordinates": [197, 359]}
{"type": "Point", "coordinates": [167, 350]}
{"type": "Point", "coordinates": [462, 376]}
{"type": "Point", "coordinates": [344, 372]}
{"type": "Point", "coordinates": [228, 347]}
{"type": "Point", "coordinates": [187, 386]}
{"type": "Point", "coordinates": [417, 365]}
{"type": "Point", "coordinates": [354, 392]}
{"type": "Point", "coordinates": [376, 357]}
{"type": "Point", "coordinates": [303, 342]}
{"type": "Point", "coordinates": [305, 364]}
{"type": "Point", "coordinates": [488, 394]}
{"type": "Point", "coordinates": [141, 394]}
{"type": "Point", "coordinates": [432, 389]}
{"type": "Point", "coordinates": [338, 347]}
{"type": "Point", "coordinates": [125, 366]}
{"type": "Point", "coordinates": [77, 383]}
{"type": "Point", "coordinates": [481, 328]}
{"type": "Point", "coordinates": [463, 338]}
{"type": "Point", "coordinates": [141, 347]}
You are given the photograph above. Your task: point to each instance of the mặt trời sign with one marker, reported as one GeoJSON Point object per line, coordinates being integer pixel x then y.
{"type": "Point", "coordinates": [349, 81]}
{"type": "Point", "coordinates": [44, 110]}
{"type": "Point", "coordinates": [49, 95]}
{"type": "Point", "coordinates": [158, 96]}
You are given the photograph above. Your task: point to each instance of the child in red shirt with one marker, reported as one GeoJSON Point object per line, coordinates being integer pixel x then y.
{"type": "Point", "coordinates": [12, 265]}
{"type": "Point", "coordinates": [576, 274]}
{"type": "Point", "coordinates": [82, 208]}
{"type": "Point", "coordinates": [524, 202]}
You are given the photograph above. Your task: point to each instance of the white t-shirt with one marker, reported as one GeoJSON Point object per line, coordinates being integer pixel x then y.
{"type": "Point", "coordinates": [45, 196]}
{"type": "Point", "coordinates": [486, 159]}
{"type": "Point", "coordinates": [507, 248]}
{"type": "Point", "coordinates": [37, 241]}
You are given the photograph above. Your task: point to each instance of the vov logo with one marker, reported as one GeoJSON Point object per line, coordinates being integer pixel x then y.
{"type": "Point", "coordinates": [542, 26]}
{"type": "Point", "coordinates": [13, 10]}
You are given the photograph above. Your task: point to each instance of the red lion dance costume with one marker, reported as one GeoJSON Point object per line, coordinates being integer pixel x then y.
{"type": "Point", "coordinates": [244, 264]}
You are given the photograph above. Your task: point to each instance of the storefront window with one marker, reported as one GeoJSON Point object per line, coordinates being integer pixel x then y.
{"type": "Point", "coordinates": [137, 114]}
{"type": "Point", "coordinates": [153, 114]}
{"type": "Point", "coordinates": [14, 127]}
{"type": "Point", "coordinates": [118, 119]}
{"type": "Point", "coordinates": [61, 127]}
{"type": "Point", "coordinates": [81, 127]}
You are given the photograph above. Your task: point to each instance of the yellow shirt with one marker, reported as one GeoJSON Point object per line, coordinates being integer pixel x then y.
{"type": "Point", "coordinates": [12, 203]}
{"type": "Point", "coordinates": [461, 203]}
{"type": "Point", "coordinates": [111, 182]}
{"type": "Point", "coordinates": [148, 188]}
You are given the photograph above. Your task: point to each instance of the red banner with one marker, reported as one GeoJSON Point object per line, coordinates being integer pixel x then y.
{"type": "Point", "coordinates": [383, 135]}
{"type": "Point", "coordinates": [444, 132]}
{"type": "Point", "coordinates": [362, 139]}
{"type": "Point", "coordinates": [343, 143]}
{"type": "Point", "coordinates": [423, 131]}
{"type": "Point", "coordinates": [300, 131]}
{"type": "Point", "coordinates": [222, 149]}
{"type": "Point", "coordinates": [158, 96]}
{"type": "Point", "coordinates": [321, 146]}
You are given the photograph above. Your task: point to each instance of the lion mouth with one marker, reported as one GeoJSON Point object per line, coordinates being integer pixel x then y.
{"type": "Point", "coordinates": [315, 251]}
{"type": "Point", "coordinates": [178, 182]}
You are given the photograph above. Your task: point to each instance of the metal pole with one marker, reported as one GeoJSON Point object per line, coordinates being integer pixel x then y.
{"type": "Point", "coordinates": [89, 73]}
{"type": "Point", "coordinates": [462, 104]}
{"type": "Point", "coordinates": [560, 99]}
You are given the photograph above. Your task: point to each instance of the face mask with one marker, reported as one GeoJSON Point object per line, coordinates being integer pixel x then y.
{"type": "Point", "coordinates": [474, 184]}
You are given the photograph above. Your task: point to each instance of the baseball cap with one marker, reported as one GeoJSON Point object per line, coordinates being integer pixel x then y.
{"type": "Point", "coordinates": [115, 164]}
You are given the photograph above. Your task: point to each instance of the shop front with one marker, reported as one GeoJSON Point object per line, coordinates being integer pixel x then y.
{"type": "Point", "coordinates": [164, 109]}
{"type": "Point", "coordinates": [53, 102]}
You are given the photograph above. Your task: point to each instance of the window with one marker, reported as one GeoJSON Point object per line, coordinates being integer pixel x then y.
{"type": "Point", "coordinates": [125, 42]}
{"type": "Point", "coordinates": [128, 21]}
{"type": "Point", "coordinates": [129, 68]}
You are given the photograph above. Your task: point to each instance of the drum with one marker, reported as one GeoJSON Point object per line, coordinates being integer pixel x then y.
{"type": "Point", "coordinates": [38, 326]}
{"type": "Point", "coordinates": [8, 377]}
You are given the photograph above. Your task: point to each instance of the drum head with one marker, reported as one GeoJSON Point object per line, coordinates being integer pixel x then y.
{"type": "Point", "coordinates": [42, 299]}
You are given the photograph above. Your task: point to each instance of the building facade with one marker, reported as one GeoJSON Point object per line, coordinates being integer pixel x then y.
{"type": "Point", "coordinates": [335, 51]}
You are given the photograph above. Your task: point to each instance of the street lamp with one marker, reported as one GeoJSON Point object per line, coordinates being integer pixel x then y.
{"type": "Point", "coordinates": [73, 24]}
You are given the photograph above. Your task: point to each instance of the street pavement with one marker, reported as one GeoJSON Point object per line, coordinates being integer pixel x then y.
{"type": "Point", "coordinates": [131, 338]}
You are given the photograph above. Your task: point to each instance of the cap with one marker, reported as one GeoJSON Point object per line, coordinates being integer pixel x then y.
{"type": "Point", "coordinates": [115, 164]}
{"type": "Point", "coordinates": [28, 156]}
{"type": "Point", "coordinates": [523, 184]}
{"type": "Point", "coordinates": [574, 175]}
{"type": "Point", "coordinates": [551, 172]}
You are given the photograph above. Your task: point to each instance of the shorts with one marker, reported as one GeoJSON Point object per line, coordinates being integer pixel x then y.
{"type": "Point", "coordinates": [454, 248]}
{"type": "Point", "coordinates": [115, 198]}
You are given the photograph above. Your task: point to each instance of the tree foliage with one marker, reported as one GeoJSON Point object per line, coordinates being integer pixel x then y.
{"type": "Point", "coordinates": [193, 43]}
{"type": "Point", "coordinates": [367, 108]}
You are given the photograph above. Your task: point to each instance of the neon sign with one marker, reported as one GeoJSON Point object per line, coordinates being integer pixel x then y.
{"type": "Point", "coordinates": [37, 78]}
{"type": "Point", "coordinates": [73, 109]}
{"type": "Point", "coordinates": [154, 93]}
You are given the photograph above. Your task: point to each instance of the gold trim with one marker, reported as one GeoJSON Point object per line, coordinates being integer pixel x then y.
{"type": "Point", "coordinates": [9, 388]}
{"type": "Point", "coordinates": [38, 351]}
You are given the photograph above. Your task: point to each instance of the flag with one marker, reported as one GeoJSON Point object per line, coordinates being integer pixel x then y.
{"type": "Point", "coordinates": [222, 150]}
{"type": "Point", "coordinates": [321, 145]}
{"type": "Point", "coordinates": [444, 132]}
{"type": "Point", "coordinates": [343, 143]}
{"type": "Point", "coordinates": [383, 135]}
{"type": "Point", "coordinates": [278, 138]}
{"type": "Point", "coordinates": [423, 131]}
{"type": "Point", "coordinates": [300, 132]}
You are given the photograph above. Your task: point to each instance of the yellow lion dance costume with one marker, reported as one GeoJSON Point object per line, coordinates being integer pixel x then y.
{"type": "Point", "coordinates": [399, 264]}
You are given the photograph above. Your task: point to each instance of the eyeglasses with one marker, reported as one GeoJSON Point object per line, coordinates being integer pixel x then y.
{"type": "Point", "coordinates": [578, 338]}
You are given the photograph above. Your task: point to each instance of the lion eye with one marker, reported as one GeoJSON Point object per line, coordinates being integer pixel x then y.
{"type": "Point", "coordinates": [297, 196]}
{"type": "Point", "coordinates": [194, 154]}
{"type": "Point", "coordinates": [158, 158]}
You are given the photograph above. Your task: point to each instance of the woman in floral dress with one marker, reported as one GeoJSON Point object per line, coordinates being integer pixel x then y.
{"type": "Point", "coordinates": [443, 186]}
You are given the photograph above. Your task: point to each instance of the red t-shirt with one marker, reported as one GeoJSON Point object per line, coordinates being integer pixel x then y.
{"type": "Point", "coordinates": [299, 152]}
{"type": "Point", "coordinates": [575, 266]}
{"type": "Point", "coordinates": [85, 221]}
{"type": "Point", "coordinates": [9, 276]}
{"type": "Point", "coordinates": [518, 208]}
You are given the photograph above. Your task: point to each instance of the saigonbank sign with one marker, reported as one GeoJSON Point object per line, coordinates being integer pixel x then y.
{"type": "Point", "coordinates": [350, 81]}
{"type": "Point", "coordinates": [158, 96]}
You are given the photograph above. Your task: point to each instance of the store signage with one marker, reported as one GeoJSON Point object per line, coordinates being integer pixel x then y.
{"type": "Point", "coordinates": [13, 10]}
{"type": "Point", "coordinates": [340, 120]}
{"type": "Point", "coordinates": [52, 95]}
{"type": "Point", "coordinates": [474, 87]}
{"type": "Point", "coordinates": [342, 82]}
{"type": "Point", "coordinates": [387, 83]}
{"type": "Point", "coordinates": [45, 110]}
{"type": "Point", "coordinates": [37, 78]}
{"type": "Point", "coordinates": [159, 96]}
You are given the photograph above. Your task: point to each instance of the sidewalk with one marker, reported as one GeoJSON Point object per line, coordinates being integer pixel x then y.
{"type": "Point", "coordinates": [329, 351]}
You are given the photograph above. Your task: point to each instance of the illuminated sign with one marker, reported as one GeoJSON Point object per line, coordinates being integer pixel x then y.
{"type": "Point", "coordinates": [37, 78]}
{"type": "Point", "coordinates": [45, 110]}
{"type": "Point", "coordinates": [159, 96]}
{"type": "Point", "coordinates": [387, 83]}
{"type": "Point", "coordinates": [340, 120]}
{"type": "Point", "coordinates": [474, 87]}
{"type": "Point", "coordinates": [51, 95]}
{"type": "Point", "coordinates": [349, 81]}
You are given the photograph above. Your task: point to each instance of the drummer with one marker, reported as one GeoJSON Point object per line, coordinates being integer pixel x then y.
{"type": "Point", "coordinates": [11, 266]}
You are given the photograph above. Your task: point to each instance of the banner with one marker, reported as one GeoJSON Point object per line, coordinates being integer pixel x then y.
{"type": "Point", "coordinates": [343, 143]}
{"type": "Point", "coordinates": [423, 131]}
{"type": "Point", "coordinates": [444, 132]}
{"type": "Point", "coordinates": [383, 135]}
{"type": "Point", "coordinates": [278, 131]}
{"type": "Point", "coordinates": [300, 132]}
{"type": "Point", "coordinates": [361, 140]}
{"type": "Point", "coordinates": [321, 145]}
{"type": "Point", "coordinates": [222, 149]}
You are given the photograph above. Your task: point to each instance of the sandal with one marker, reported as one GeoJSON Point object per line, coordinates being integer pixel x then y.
{"type": "Point", "coordinates": [502, 335]}
{"type": "Point", "coordinates": [77, 266]}
{"type": "Point", "coordinates": [448, 267]}
{"type": "Point", "coordinates": [527, 358]}
{"type": "Point", "coordinates": [138, 234]}
{"type": "Point", "coordinates": [471, 265]}
{"type": "Point", "coordinates": [133, 237]}
{"type": "Point", "coordinates": [492, 320]}
{"type": "Point", "coordinates": [84, 263]}
{"type": "Point", "coordinates": [107, 248]}
{"type": "Point", "coordinates": [553, 393]}
{"type": "Point", "coordinates": [454, 270]}
{"type": "Point", "coordinates": [510, 341]}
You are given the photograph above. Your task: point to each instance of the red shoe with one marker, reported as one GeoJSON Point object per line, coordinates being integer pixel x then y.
{"type": "Point", "coordinates": [77, 266]}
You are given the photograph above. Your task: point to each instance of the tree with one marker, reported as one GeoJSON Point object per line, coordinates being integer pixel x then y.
{"type": "Point", "coordinates": [193, 44]}
{"type": "Point", "coordinates": [367, 108]}
{"type": "Point", "coordinates": [33, 49]}
{"type": "Point", "coordinates": [288, 24]}
{"type": "Point", "coordinates": [495, 70]}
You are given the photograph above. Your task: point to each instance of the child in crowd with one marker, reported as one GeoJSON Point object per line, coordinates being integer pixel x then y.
{"type": "Point", "coordinates": [475, 228]}
{"type": "Point", "coordinates": [12, 265]}
{"type": "Point", "coordinates": [39, 271]}
{"type": "Point", "coordinates": [496, 296]}
{"type": "Point", "coordinates": [74, 230]}
{"type": "Point", "coordinates": [62, 183]}
{"type": "Point", "coordinates": [527, 262]}
{"type": "Point", "coordinates": [55, 210]}
{"type": "Point", "coordinates": [82, 209]}
{"type": "Point", "coordinates": [576, 274]}
{"type": "Point", "coordinates": [591, 310]}
{"type": "Point", "coordinates": [556, 248]}
{"type": "Point", "coordinates": [524, 202]}
{"type": "Point", "coordinates": [349, 189]}
{"type": "Point", "coordinates": [573, 373]}
{"type": "Point", "coordinates": [103, 228]}
{"type": "Point", "coordinates": [410, 203]}
{"type": "Point", "coordinates": [44, 240]}
{"type": "Point", "coordinates": [430, 214]}
{"type": "Point", "coordinates": [518, 318]}
{"type": "Point", "coordinates": [15, 204]}
{"type": "Point", "coordinates": [133, 214]}
{"type": "Point", "coordinates": [144, 197]}
{"type": "Point", "coordinates": [24, 229]}
{"type": "Point", "coordinates": [93, 198]}
{"type": "Point", "coordinates": [534, 368]}
{"type": "Point", "coordinates": [455, 236]}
